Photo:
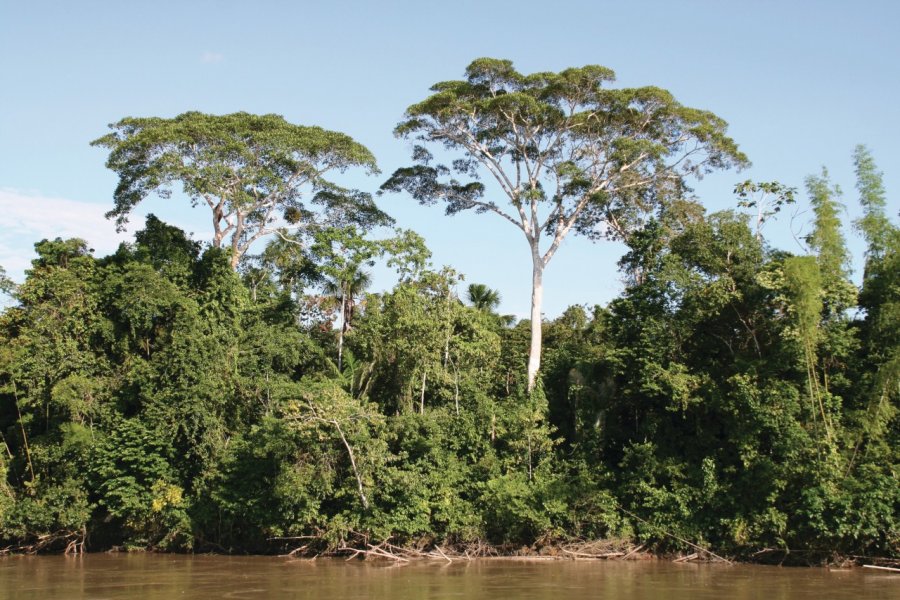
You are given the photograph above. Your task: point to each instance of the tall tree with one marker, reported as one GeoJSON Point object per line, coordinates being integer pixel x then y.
{"type": "Point", "coordinates": [567, 154]}
{"type": "Point", "coordinates": [250, 170]}
{"type": "Point", "coordinates": [346, 288]}
{"type": "Point", "coordinates": [827, 240]}
{"type": "Point", "coordinates": [874, 225]}
{"type": "Point", "coordinates": [878, 387]}
{"type": "Point", "coordinates": [344, 251]}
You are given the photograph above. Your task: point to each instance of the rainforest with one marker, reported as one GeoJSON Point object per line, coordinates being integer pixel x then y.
{"type": "Point", "coordinates": [242, 392]}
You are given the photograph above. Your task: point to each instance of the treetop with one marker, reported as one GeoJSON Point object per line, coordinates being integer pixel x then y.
{"type": "Point", "coordinates": [242, 154]}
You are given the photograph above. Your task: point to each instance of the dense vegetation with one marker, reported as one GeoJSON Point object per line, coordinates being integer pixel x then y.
{"type": "Point", "coordinates": [735, 395]}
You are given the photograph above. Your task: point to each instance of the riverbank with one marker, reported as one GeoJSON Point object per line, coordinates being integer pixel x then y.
{"type": "Point", "coordinates": [361, 548]}
{"type": "Point", "coordinates": [162, 576]}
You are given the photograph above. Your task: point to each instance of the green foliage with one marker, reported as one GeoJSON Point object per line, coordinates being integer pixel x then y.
{"type": "Point", "coordinates": [424, 346]}
{"type": "Point", "coordinates": [136, 486]}
{"type": "Point", "coordinates": [7, 285]}
{"type": "Point", "coordinates": [249, 169]}
{"type": "Point", "coordinates": [55, 511]}
{"type": "Point", "coordinates": [482, 297]}
{"type": "Point", "coordinates": [827, 241]}
{"type": "Point", "coordinates": [767, 197]}
{"type": "Point", "coordinates": [874, 224]}
{"type": "Point", "coordinates": [717, 398]}
{"type": "Point", "coordinates": [803, 287]}
{"type": "Point", "coordinates": [268, 484]}
{"type": "Point", "coordinates": [567, 153]}
{"type": "Point", "coordinates": [734, 396]}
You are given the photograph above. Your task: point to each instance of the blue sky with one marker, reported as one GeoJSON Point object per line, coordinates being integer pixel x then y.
{"type": "Point", "coordinates": [801, 83]}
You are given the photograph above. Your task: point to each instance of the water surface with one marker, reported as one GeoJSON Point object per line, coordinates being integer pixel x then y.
{"type": "Point", "coordinates": [152, 577]}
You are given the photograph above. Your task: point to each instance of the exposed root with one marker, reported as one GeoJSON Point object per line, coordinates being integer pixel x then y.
{"type": "Point", "coordinates": [360, 546]}
{"type": "Point", "coordinates": [598, 549]}
{"type": "Point", "coordinates": [687, 558]}
{"type": "Point", "coordinates": [878, 562]}
{"type": "Point", "coordinates": [71, 542]}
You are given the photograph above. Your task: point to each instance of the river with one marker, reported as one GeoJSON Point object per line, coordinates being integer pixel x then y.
{"type": "Point", "coordinates": [155, 576]}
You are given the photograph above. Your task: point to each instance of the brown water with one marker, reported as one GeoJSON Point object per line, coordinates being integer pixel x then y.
{"type": "Point", "coordinates": [148, 576]}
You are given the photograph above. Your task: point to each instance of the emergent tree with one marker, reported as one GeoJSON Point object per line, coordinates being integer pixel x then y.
{"type": "Point", "coordinates": [567, 153]}
{"type": "Point", "coordinates": [248, 169]}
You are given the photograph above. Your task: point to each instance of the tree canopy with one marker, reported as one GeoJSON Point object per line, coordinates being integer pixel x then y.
{"type": "Point", "coordinates": [565, 152]}
{"type": "Point", "coordinates": [252, 171]}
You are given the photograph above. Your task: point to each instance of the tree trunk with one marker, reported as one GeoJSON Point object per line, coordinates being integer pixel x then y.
{"type": "Point", "coordinates": [217, 217]}
{"type": "Point", "coordinates": [359, 483]}
{"type": "Point", "coordinates": [537, 297]}
{"type": "Point", "coordinates": [422, 396]}
{"type": "Point", "coordinates": [341, 333]}
{"type": "Point", "coordinates": [236, 252]}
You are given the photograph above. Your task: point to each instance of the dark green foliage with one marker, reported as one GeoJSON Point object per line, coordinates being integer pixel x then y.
{"type": "Point", "coordinates": [269, 484]}
{"type": "Point", "coordinates": [731, 397]}
{"type": "Point", "coordinates": [137, 488]}
{"type": "Point", "coordinates": [720, 396]}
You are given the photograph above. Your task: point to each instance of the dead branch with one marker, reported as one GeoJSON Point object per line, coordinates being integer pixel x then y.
{"type": "Point", "coordinates": [687, 558]}
{"type": "Point", "coordinates": [881, 568]}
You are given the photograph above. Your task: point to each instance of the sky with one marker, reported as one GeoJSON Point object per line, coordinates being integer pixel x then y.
{"type": "Point", "coordinates": [799, 82]}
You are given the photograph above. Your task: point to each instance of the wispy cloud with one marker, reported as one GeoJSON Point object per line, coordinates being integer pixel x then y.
{"type": "Point", "coordinates": [211, 57]}
{"type": "Point", "coordinates": [27, 217]}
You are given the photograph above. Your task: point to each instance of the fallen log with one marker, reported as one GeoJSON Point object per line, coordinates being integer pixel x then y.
{"type": "Point", "coordinates": [881, 568]}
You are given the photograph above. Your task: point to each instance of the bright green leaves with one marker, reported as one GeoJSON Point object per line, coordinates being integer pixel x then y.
{"type": "Point", "coordinates": [874, 225]}
{"type": "Point", "coordinates": [427, 349]}
{"type": "Point", "coordinates": [326, 412]}
{"type": "Point", "coordinates": [408, 254]}
{"type": "Point", "coordinates": [344, 251]}
{"type": "Point", "coordinates": [876, 401]}
{"type": "Point", "coordinates": [803, 286]}
{"type": "Point", "coordinates": [79, 396]}
{"type": "Point", "coordinates": [827, 241]}
{"type": "Point", "coordinates": [156, 399]}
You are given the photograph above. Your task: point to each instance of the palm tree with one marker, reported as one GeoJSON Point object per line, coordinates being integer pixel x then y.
{"type": "Point", "coordinates": [346, 288]}
{"type": "Point", "coordinates": [483, 298]}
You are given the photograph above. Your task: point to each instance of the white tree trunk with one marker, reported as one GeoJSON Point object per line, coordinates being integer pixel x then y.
{"type": "Point", "coordinates": [359, 483]}
{"type": "Point", "coordinates": [422, 396]}
{"type": "Point", "coordinates": [341, 332]}
{"type": "Point", "coordinates": [537, 298]}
